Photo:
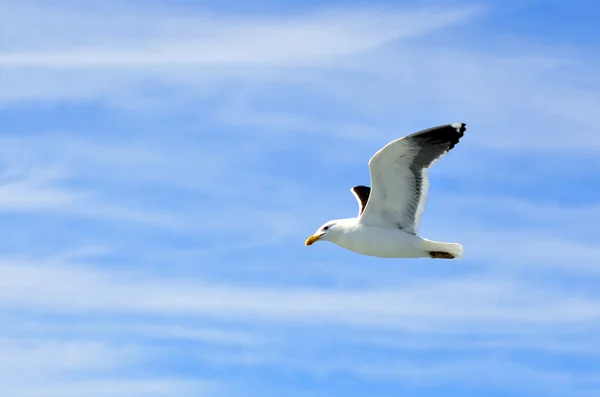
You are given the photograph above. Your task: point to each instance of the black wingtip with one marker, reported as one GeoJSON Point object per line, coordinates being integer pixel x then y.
{"type": "Point", "coordinates": [460, 128]}
{"type": "Point", "coordinates": [447, 134]}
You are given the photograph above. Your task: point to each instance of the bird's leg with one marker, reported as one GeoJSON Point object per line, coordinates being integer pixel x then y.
{"type": "Point", "coordinates": [440, 255]}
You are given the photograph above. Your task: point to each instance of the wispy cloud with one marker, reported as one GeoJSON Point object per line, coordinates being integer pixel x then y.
{"type": "Point", "coordinates": [432, 305]}
{"type": "Point", "coordinates": [42, 367]}
{"type": "Point", "coordinates": [154, 202]}
{"type": "Point", "coordinates": [100, 54]}
{"type": "Point", "coordinates": [160, 38]}
{"type": "Point", "coordinates": [38, 191]}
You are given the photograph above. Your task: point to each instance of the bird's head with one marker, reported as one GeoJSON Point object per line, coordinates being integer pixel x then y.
{"type": "Point", "coordinates": [328, 232]}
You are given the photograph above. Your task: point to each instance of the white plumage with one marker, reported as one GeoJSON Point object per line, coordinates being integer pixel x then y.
{"type": "Point", "coordinates": [390, 211]}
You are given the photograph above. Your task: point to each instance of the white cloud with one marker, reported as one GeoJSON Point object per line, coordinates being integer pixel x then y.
{"type": "Point", "coordinates": [109, 387]}
{"type": "Point", "coordinates": [489, 371]}
{"type": "Point", "coordinates": [45, 367]}
{"type": "Point", "coordinates": [31, 356]}
{"type": "Point", "coordinates": [34, 190]}
{"type": "Point", "coordinates": [111, 38]}
{"type": "Point", "coordinates": [113, 53]}
{"type": "Point", "coordinates": [165, 61]}
{"type": "Point", "coordinates": [433, 304]}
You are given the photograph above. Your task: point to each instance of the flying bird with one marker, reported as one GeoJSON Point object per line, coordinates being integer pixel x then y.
{"type": "Point", "coordinates": [389, 212]}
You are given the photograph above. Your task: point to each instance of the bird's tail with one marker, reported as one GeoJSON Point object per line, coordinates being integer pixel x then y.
{"type": "Point", "coordinates": [439, 250]}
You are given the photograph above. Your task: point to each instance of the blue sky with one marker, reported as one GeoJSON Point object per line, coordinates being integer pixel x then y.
{"type": "Point", "coordinates": [161, 164]}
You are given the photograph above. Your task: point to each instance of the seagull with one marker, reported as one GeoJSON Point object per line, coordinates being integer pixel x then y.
{"type": "Point", "coordinates": [389, 212]}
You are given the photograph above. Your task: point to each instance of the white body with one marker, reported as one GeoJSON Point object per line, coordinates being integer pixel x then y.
{"type": "Point", "coordinates": [384, 242]}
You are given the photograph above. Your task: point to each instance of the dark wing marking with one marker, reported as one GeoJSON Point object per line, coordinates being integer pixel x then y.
{"type": "Point", "coordinates": [361, 193]}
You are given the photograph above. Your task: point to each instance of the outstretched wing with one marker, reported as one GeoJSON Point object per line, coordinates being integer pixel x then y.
{"type": "Point", "coordinates": [399, 181]}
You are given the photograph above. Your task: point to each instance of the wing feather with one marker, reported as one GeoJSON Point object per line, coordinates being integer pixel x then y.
{"type": "Point", "coordinates": [399, 179]}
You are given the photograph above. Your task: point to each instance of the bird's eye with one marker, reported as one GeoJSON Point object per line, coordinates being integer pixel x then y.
{"type": "Point", "coordinates": [326, 227]}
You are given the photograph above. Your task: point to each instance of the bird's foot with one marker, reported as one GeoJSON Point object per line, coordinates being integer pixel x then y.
{"type": "Point", "coordinates": [440, 255]}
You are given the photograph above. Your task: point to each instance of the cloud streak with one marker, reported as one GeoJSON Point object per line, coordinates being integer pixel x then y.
{"type": "Point", "coordinates": [160, 168]}
{"type": "Point", "coordinates": [194, 40]}
{"type": "Point", "coordinates": [432, 304]}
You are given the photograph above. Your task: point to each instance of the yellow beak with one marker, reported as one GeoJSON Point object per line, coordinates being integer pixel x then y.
{"type": "Point", "coordinates": [312, 239]}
